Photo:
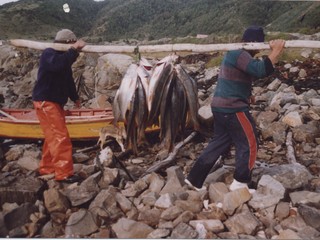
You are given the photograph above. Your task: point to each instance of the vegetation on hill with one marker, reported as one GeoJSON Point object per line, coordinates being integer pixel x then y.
{"type": "Point", "coordinates": [112, 20]}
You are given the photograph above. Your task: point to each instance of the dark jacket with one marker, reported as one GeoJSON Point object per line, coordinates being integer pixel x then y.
{"type": "Point", "coordinates": [55, 82]}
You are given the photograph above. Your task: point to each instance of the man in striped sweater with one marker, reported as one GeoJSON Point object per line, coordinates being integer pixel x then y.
{"type": "Point", "coordinates": [233, 122]}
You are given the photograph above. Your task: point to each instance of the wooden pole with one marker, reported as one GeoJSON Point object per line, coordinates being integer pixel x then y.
{"type": "Point", "coordinates": [290, 150]}
{"type": "Point", "coordinates": [196, 48]}
{"type": "Point", "coordinates": [8, 116]}
{"type": "Point", "coordinates": [171, 156]}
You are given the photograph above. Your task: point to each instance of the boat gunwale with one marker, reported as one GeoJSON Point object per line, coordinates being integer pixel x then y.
{"type": "Point", "coordinates": [8, 117]}
{"type": "Point", "coordinates": [68, 121]}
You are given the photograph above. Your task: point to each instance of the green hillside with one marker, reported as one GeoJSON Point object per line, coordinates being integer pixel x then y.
{"type": "Point", "coordinates": [112, 20]}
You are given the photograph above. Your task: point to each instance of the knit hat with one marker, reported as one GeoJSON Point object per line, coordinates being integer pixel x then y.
{"type": "Point", "coordinates": [65, 36]}
{"type": "Point", "coordinates": [253, 34]}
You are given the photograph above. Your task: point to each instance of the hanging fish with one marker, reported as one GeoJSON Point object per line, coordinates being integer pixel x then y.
{"type": "Point", "coordinates": [165, 107]}
{"type": "Point", "coordinates": [130, 104]}
{"type": "Point", "coordinates": [141, 115]}
{"type": "Point", "coordinates": [124, 94]}
{"type": "Point", "coordinates": [158, 81]}
{"type": "Point", "coordinates": [164, 95]}
{"type": "Point", "coordinates": [131, 130]}
{"type": "Point", "coordinates": [173, 111]}
{"type": "Point", "coordinates": [190, 87]}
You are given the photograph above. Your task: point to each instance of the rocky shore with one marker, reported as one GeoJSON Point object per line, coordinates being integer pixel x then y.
{"type": "Point", "coordinates": [125, 201]}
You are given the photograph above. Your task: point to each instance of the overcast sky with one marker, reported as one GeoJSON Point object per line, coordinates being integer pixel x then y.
{"type": "Point", "coordinates": [6, 1]}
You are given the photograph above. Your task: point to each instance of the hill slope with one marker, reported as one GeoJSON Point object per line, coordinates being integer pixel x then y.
{"type": "Point", "coordinates": [112, 20]}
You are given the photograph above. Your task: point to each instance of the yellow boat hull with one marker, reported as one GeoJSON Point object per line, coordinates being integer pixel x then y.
{"type": "Point", "coordinates": [33, 130]}
{"type": "Point", "coordinates": [81, 124]}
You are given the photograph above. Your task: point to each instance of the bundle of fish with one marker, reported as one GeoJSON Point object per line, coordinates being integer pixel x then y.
{"type": "Point", "coordinates": [163, 95]}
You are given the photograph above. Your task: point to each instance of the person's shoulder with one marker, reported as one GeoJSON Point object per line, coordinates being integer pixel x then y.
{"type": "Point", "coordinates": [235, 53]}
{"type": "Point", "coordinates": [49, 51]}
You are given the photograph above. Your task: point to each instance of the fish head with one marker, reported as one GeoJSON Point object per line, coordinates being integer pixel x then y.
{"type": "Point", "coordinates": [146, 65]}
{"type": "Point", "coordinates": [172, 58]}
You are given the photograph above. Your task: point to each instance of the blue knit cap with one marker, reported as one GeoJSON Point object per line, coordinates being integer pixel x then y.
{"type": "Point", "coordinates": [253, 34]}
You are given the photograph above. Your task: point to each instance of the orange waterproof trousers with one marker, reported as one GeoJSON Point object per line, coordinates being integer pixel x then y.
{"type": "Point", "coordinates": [57, 147]}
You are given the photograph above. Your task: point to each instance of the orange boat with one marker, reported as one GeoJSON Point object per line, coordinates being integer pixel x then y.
{"type": "Point", "coordinates": [81, 123]}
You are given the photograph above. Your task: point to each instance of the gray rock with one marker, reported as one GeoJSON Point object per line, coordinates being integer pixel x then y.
{"type": "Point", "coordinates": [293, 119]}
{"type": "Point", "coordinates": [29, 163]}
{"type": "Point", "coordinates": [282, 98]}
{"type": "Point", "coordinates": [135, 189]}
{"type": "Point", "coordinates": [55, 201]}
{"type": "Point", "coordinates": [81, 223]}
{"type": "Point", "coordinates": [274, 85]}
{"type": "Point", "coordinates": [20, 189]}
{"type": "Point", "coordinates": [110, 69]}
{"type": "Point", "coordinates": [206, 115]}
{"type": "Point", "coordinates": [171, 213]}
{"type": "Point", "coordinates": [19, 216]}
{"type": "Point", "coordinates": [126, 228]}
{"type": "Point", "coordinates": [309, 233]}
{"type": "Point", "coordinates": [306, 53]}
{"type": "Point", "coordinates": [288, 234]}
{"type": "Point", "coordinates": [310, 215]}
{"type": "Point", "coordinates": [3, 229]}
{"type": "Point", "coordinates": [188, 205]}
{"type": "Point", "coordinates": [183, 230]}
{"type": "Point", "coordinates": [295, 223]}
{"type": "Point", "coordinates": [236, 224]}
{"type": "Point", "coordinates": [213, 225]}
{"type": "Point", "coordinates": [233, 200]}
{"type": "Point", "coordinates": [7, 207]}
{"type": "Point", "coordinates": [305, 197]}
{"type": "Point", "coordinates": [294, 69]}
{"type": "Point", "coordinates": [159, 233]}
{"type": "Point", "coordinates": [282, 210]}
{"type": "Point", "coordinates": [105, 205]}
{"type": "Point", "coordinates": [291, 176]}
{"type": "Point", "coordinates": [185, 217]}
{"type": "Point", "coordinates": [110, 176]}
{"type": "Point", "coordinates": [217, 192]}
{"type": "Point", "coordinates": [80, 157]}
{"type": "Point", "coordinates": [175, 180]}
{"type": "Point", "coordinates": [156, 183]}
{"type": "Point", "coordinates": [150, 216]}
{"type": "Point", "coordinates": [87, 190]}
{"type": "Point", "coordinates": [52, 230]}
{"type": "Point", "coordinates": [264, 119]}
{"type": "Point", "coordinates": [228, 235]}
{"type": "Point", "coordinates": [302, 73]}
{"type": "Point", "coordinates": [269, 192]}
{"type": "Point", "coordinates": [17, 232]}
{"type": "Point", "coordinates": [275, 131]}
{"type": "Point", "coordinates": [306, 133]}
{"type": "Point", "coordinates": [165, 201]}
{"type": "Point", "coordinates": [124, 203]}
{"type": "Point", "coordinates": [149, 198]}
{"type": "Point", "coordinates": [14, 153]}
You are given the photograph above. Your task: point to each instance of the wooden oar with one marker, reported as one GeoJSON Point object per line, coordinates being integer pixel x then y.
{"type": "Point", "coordinates": [198, 48]}
{"type": "Point", "coordinates": [8, 116]}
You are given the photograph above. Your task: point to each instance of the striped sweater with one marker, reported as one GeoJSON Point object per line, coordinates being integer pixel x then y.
{"type": "Point", "coordinates": [237, 72]}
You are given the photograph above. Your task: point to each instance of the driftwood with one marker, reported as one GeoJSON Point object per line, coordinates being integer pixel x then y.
{"type": "Point", "coordinates": [197, 48]}
{"type": "Point", "coordinates": [290, 150]}
{"type": "Point", "coordinates": [87, 149]}
{"type": "Point", "coordinates": [171, 156]}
